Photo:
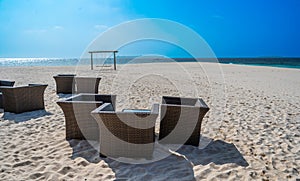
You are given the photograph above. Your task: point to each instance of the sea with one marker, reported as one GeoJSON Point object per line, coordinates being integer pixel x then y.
{"type": "Point", "coordinates": [260, 61]}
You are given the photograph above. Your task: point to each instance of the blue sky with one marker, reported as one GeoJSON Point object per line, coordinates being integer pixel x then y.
{"type": "Point", "coordinates": [233, 28]}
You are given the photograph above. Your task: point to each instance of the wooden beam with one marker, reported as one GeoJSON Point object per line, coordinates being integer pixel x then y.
{"type": "Point", "coordinates": [104, 51]}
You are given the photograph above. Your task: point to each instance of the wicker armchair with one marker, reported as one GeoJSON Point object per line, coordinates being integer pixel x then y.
{"type": "Point", "coordinates": [126, 134]}
{"type": "Point", "coordinates": [87, 84]}
{"type": "Point", "coordinates": [65, 83]}
{"type": "Point", "coordinates": [23, 98]}
{"type": "Point", "coordinates": [5, 83]}
{"type": "Point", "coordinates": [71, 84]}
{"type": "Point", "coordinates": [181, 120]}
{"type": "Point", "coordinates": [77, 110]}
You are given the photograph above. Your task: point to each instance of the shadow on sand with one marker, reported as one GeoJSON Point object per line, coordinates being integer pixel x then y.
{"type": "Point", "coordinates": [178, 166]}
{"type": "Point", "coordinates": [174, 167]}
{"type": "Point", "coordinates": [26, 116]}
{"type": "Point", "coordinates": [217, 151]}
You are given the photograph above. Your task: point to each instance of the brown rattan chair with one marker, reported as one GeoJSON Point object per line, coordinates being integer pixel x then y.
{"type": "Point", "coordinates": [5, 83]}
{"type": "Point", "coordinates": [181, 119]}
{"type": "Point", "coordinates": [87, 84]}
{"type": "Point", "coordinates": [23, 98]}
{"type": "Point", "coordinates": [77, 111]}
{"type": "Point", "coordinates": [126, 134]}
{"type": "Point", "coordinates": [65, 83]}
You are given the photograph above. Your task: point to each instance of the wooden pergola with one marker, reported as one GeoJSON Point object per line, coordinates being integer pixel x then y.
{"type": "Point", "coordinates": [104, 51]}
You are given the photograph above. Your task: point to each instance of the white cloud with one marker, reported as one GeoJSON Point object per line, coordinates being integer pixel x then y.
{"type": "Point", "coordinates": [218, 17]}
{"type": "Point", "coordinates": [56, 27]}
{"type": "Point", "coordinates": [101, 27]}
{"type": "Point", "coordinates": [35, 31]}
{"type": "Point", "coordinates": [43, 30]}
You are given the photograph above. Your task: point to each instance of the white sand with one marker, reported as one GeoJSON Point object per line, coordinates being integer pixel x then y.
{"type": "Point", "coordinates": [253, 125]}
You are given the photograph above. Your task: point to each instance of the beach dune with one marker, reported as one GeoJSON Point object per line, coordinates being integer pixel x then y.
{"type": "Point", "coordinates": [251, 131]}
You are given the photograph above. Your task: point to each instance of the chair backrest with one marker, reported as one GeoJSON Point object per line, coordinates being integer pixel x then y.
{"type": "Point", "coordinates": [179, 101]}
{"type": "Point", "coordinates": [180, 120]}
{"type": "Point", "coordinates": [70, 84]}
{"type": "Point", "coordinates": [65, 83]}
{"type": "Point", "coordinates": [87, 84]}
{"type": "Point", "coordinates": [108, 108]}
{"type": "Point", "coordinates": [7, 83]}
{"type": "Point", "coordinates": [132, 121]}
{"type": "Point", "coordinates": [66, 75]}
{"type": "Point", "coordinates": [126, 134]}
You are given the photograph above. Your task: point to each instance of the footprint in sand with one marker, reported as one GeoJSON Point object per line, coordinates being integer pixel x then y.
{"type": "Point", "coordinates": [36, 175]}
{"type": "Point", "coordinates": [22, 164]}
{"type": "Point", "coordinates": [35, 158]}
{"type": "Point", "coordinates": [65, 170]}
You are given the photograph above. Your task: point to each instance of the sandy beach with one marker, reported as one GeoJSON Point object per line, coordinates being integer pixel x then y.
{"type": "Point", "coordinates": [252, 131]}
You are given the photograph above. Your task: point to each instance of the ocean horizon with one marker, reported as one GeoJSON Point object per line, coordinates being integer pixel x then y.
{"type": "Point", "coordinates": [279, 62]}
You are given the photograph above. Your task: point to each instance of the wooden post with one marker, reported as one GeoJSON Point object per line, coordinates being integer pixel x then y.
{"type": "Point", "coordinates": [115, 62]}
{"type": "Point", "coordinates": [91, 60]}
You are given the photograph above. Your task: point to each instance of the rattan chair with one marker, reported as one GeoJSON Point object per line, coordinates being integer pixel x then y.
{"type": "Point", "coordinates": [181, 119]}
{"type": "Point", "coordinates": [126, 134]}
{"type": "Point", "coordinates": [65, 83]}
{"type": "Point", "coordinates": [87, 84]}
{"type": "Point", "coordinates": [23, 98]}
{"type": "Point", "coordinates": [5, 83]}
{"type": "Point", "coordinates": [77, 111]}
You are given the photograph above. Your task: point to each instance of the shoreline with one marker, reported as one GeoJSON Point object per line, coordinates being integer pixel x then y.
{"type": "Point", "coordinates": [268, 62]}
{"type": "Point", "coordinates": [95, 66]}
